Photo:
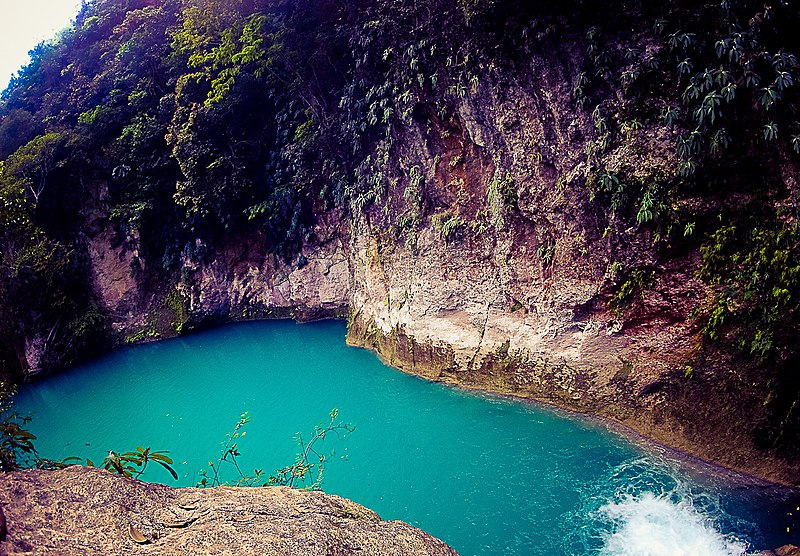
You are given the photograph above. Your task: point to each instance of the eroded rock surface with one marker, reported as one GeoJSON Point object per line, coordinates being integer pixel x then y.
{"type": "Point", "coordinates": [82, 510]}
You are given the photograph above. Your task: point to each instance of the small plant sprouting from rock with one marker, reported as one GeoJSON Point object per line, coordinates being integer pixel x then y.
{"type": "Point", "coordinates": [16, 442]}
{"type": "Point", "coordinates": [309, 464]}
{"type": "Point", "coordinates": [306, 471]}
{"type": "Point", "coordinates": [133, 464]}
{"type": "Point", "coordinates": [229, 454]}
{"type": "Point", "coordinates": [636, 282]}
{"type": "Point", "coordinates": [18, 452]}
{"type": "Point", "coordinates": [546, 252]}
{"type": "Point", "coordinates": [448, 224]}
{"type": "Point", "coordinates": [500, 196]}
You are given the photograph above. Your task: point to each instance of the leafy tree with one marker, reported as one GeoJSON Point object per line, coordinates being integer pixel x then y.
{"type": "Point", "coordinates": [32, 163]}
{"type": "Point", "coordinates": [17, 127]}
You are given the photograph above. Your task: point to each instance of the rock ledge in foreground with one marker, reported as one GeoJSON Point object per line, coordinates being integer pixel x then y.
{"type": "Point", "coordinates": [82, 510]}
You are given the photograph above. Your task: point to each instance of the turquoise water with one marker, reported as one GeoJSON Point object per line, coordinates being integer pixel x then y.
{"type": "Point", "coordinates": [486, 474]}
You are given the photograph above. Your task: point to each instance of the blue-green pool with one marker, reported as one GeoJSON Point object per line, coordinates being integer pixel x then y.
{"type": "Point", "coordinates": [487, 475]}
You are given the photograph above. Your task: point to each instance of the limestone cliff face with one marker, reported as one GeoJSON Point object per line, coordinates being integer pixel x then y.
{"type": "Point", "coordinates": [245, 279]}
{"type": "Point", "coordinates": [240, 280]}
{"type": "Point", "coordinates": [523, 304]}
{"type": "Point", "coordinates": [504, 280]}
{"type": "Point", "coordinates": [82, 510]}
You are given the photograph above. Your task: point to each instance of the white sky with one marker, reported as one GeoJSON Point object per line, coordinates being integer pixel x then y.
{"type": "Point", "coordinates": [24, 24]}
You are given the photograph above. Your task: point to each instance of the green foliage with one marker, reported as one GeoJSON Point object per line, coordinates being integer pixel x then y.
{"type": "Point", "coordinates": [98, 115]}
{"type": "Point", "coordinates": [501, 196]}
{"type": "Point", "coordinates": [759, 270]}
{"type": "Point", "coordinates": [726, 84]}
{"type": "Point", "coordinates": [134, 464]}
{"type": "Point", "coordinates": [770, 131]}
{"type": "Point", "coordinates": [17, 452]}
{"type": "Point", "coordinates": [140, 134]}
{"type": "Point", "coordinates": [219, 44]}
{"type": "Point", "coordinates": [210, 118]}
{"type": "Point", "coordinates": [448, 224]}
{"type": "Point", "coordinates": [306, 133]}
{"type": "Point", "coordinates": [17, 127]}
{"type": "Point", "coordinates": [451, 226]}
{"type": "Point", "coordinates": [634, 282]}
{"type": "Point", "coordinates": [546, 251]}
{"type": "Point", "coordinates": [615, 188]}
{"type": "Point", "coordinates": [306, 472]}
{"type": "Point", "coordinates": [756, 266]}
{"type": "Point", "coordinates": [16, 442]}
{"type": "Point", "coordinates": [230, 452]}
{"type": "Point", "coordinates": [36, 272]}
{"type": "Point", "coordinates": [29, 167]}
{"type": "Point", "coordinates": [309, 465]}
{"type": "Point", "coordinates": [646, 209]}
{"type": "Point", "coordinates": [456, 160]}
{"type": "Point", "coordinates": [796, 143]}
{"type": "Point", "coordinates": [129, 216]}
{"type": "Point", "coordinates": [177, 303]}
{"type": "Point", "coordinates": [146, 333]}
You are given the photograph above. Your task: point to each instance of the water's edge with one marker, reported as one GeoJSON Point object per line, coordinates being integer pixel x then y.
{"type": "Point", "coordinates": [693, 461]}
{"type": "Point", "coordinates": [436, 363]}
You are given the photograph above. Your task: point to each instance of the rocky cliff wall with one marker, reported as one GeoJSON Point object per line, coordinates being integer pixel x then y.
{"type": "Point", "coordinates": [525, 298]}
{"type": "Point", "coordinates": [490, 265]}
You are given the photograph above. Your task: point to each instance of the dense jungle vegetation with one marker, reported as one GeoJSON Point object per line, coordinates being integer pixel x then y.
{"type": "Point", "coordinates": [206, 118]}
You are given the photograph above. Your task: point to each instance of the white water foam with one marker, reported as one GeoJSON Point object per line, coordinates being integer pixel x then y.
{"type": "Point", "coordinates": [657, 525]}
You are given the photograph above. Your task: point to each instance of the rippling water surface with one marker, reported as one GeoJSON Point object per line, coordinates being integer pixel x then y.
{"type": "Point", "coordinates": [488, 475]}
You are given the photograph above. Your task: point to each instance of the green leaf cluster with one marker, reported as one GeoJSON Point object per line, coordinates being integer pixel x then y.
{"type": "Point", "coordinates": [134, 464]}
{"type": "Point", "coordinates": [758, 269]}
